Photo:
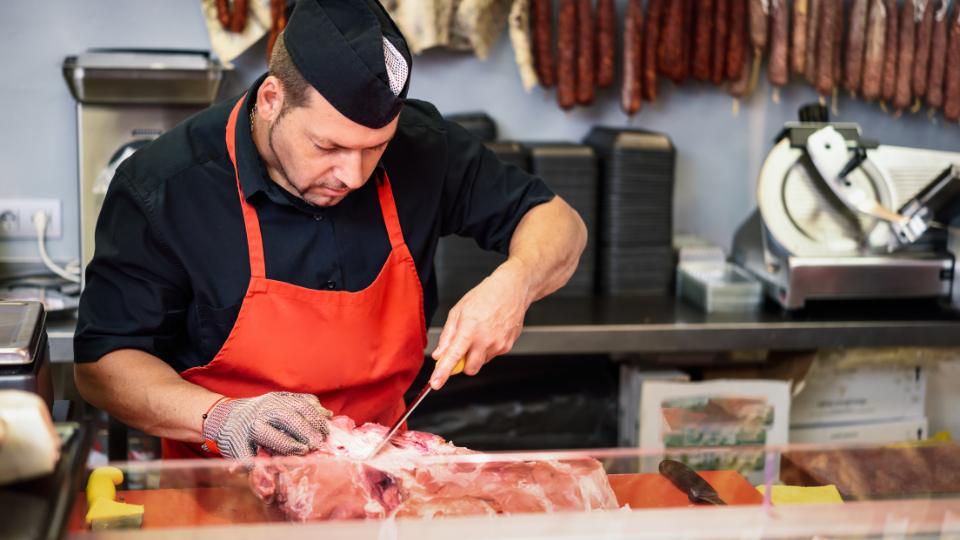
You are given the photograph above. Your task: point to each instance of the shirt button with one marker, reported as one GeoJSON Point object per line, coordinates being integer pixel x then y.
{"type": "Point", "coordinates": [318, 217]}
{"type": "Point", "coordinates": [331, 285]}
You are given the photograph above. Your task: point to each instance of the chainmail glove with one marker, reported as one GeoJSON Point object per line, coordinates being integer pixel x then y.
{"type": "Point", "coordinates": [281, 422]}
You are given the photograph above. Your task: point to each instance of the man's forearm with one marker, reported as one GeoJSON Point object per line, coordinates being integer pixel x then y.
{"type": "Point", "coordinates": [546, 246]}
{"type": "Point", "coordinates": [145, 393]}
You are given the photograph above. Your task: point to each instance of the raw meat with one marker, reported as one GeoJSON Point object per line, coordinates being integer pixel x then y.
{"type": "Point", "coordinates": [334, 483]}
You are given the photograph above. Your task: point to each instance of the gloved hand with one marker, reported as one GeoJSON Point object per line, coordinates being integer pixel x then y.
{"type": "Point", "coordinates": [281, 422]}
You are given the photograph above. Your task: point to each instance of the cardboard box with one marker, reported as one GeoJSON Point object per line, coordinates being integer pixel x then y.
{"type": "Point", "coordinates": [722, 413]}
{"type": "Point", "coordinates": [631, 390]}
{"type": "Point", "coordinates": [867, 394]}
{"type": "Point", "coordinates": [913, 429]}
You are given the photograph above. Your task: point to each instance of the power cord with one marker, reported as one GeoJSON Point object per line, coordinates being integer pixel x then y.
{"type": "Point", "coordinates": [72, 271]}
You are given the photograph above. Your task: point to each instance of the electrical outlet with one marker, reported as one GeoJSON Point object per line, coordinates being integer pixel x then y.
{"type": "Point", "coordinates": [16, 217]}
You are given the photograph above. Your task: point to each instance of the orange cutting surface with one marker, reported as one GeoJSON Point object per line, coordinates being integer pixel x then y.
{"type": "Point", "coordinates": [654, 490]}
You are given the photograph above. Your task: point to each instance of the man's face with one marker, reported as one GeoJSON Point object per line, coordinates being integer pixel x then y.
{"type": "Point", "coordinates": [321, 155]}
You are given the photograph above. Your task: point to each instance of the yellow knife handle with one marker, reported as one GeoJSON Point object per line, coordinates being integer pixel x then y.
{"type": "Point", "coordinates": [102, 483]}
{"type": "Point", "coordinates": [458, 369]}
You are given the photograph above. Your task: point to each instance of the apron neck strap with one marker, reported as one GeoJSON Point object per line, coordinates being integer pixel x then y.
{"type": "Point", "coordinates": [389, 208]}
{"type": "Point", "coordinates": [250, 221]}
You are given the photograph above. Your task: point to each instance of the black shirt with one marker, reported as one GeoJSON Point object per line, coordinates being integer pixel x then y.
{"type": "Point", "coordinates": [171, 265]}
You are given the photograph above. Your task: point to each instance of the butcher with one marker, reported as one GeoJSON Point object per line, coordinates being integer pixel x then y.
{"type": "Point", "coordinates": [269, 261]}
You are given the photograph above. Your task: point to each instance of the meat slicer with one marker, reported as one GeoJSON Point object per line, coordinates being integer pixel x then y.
{"type": "Point", "coordinates": [842, 217]}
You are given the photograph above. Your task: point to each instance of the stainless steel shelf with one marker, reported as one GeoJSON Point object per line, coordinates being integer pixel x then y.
{"type": "Point", "coordinates": [666, 325]}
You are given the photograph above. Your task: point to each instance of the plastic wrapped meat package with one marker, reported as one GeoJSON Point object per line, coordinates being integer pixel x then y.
{"type": "Point", "coordinates": [338, 483]}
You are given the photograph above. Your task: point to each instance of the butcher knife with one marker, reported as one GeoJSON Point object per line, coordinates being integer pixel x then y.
{"type": "Point", "coordinates": [688, 481]}
{"type": "Point", "coordinates": [406, 414]}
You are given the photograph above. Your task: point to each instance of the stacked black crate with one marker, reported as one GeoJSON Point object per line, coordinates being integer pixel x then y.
{"type": "Point", "coordinates": [570, 170]}
{"type": "Point", "coordinates": [460, 263]}
{"type": "Point", "coordinates": [636, 211]}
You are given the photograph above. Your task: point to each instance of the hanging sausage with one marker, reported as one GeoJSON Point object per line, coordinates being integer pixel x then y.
{"type": "Point", "coordinates": [905, 56]}
{"type": "Point", "coordinates": [567, 54]}
{"type": "Point", "coordinates": [778, 69]}
{"type": "Point", "coordinates": [703, 40]}
{"type": "Point", "coordinates": [721, 38]}
{"type": "Point", "coordinates": [630, 96]}
{"type": "Point", "coordinates": [651, 45]}
{"type": "Point", "coordinates": [875, 49]}
{"type": "Point", "coordinates": [606, 35]}
{"type": "Point", "coordinates": [586, 78]}
{"type": "Point", "coordinates": [938, 57]}
{"type": "Point", "coordinates": [856, 46]}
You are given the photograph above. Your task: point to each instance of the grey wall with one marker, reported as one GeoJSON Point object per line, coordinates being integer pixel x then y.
{"type": "Point", "coordinates": [719, 154]}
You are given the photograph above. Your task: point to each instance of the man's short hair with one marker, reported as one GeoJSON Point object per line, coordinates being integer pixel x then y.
{"type": "Point", "coordinates": [282, 67]}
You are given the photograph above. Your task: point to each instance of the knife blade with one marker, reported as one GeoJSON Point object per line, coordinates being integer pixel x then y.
{"type": "Point", "coordinates": [688, 481]}
{"type": "Point", "coordinates": [406, 414]}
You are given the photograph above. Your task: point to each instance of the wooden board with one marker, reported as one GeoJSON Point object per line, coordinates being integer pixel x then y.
{"type": "Point", "coordinates": [653, 490]}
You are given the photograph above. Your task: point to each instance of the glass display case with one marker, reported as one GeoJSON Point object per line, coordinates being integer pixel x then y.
{"type": "Point", "coordinates": [426, 488]}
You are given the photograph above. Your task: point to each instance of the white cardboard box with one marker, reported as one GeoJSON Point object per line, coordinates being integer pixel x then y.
{"type": "Point", "coordinates": [867, 394]}
{"type": "Point", "coordinates": [631, 390]}
{"type": "Point", "coordinates": [913, 429]}
{"type": "Point", "coordinates": [760, 412]}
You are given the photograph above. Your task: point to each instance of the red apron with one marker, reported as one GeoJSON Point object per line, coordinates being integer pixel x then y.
{"type": "Point", "coordinates": [357, 352]}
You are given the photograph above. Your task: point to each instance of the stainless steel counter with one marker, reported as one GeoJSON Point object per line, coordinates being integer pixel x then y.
{"type": "Point", "coordinates": [666, 325]}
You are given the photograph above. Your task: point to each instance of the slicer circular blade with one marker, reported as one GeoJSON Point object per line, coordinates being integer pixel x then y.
{"type": "Point", "coordinates": [806, 218]}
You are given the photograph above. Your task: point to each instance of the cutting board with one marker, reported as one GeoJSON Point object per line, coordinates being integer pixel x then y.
{"type": "Point", "coordinates": [653, 490]}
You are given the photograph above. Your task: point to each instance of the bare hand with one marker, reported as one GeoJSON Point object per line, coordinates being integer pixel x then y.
{"type": "Point", "coordinates": [485, 323]}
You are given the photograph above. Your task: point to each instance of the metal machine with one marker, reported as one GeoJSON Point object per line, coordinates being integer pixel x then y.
{"type": "Point", "coordinates": [24, 349]}
{"type": "Point", "coordinates": [125, 99]}
{"type": "Point", "coordinates": [842, 217]}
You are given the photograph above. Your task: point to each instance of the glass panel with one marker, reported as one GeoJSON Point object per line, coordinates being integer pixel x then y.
{"type": "Point", "coordinates": [423, 487]}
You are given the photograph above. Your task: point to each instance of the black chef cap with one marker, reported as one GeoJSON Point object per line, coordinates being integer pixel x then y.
{"type": "Point", "coordinates": [343, 48]}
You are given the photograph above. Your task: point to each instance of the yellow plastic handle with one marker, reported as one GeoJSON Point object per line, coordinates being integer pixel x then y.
{"type": "Point", "coordinates": [458, 369]}
{"type": "Point", "coordinates": [103, 483]}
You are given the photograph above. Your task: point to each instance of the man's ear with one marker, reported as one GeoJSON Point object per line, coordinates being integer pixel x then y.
{"type": "Point", "coordinates": [270, 99]}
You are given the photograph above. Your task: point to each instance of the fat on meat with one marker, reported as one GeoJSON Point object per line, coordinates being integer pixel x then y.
{"type": "Point", "coordinates": [337, 483]}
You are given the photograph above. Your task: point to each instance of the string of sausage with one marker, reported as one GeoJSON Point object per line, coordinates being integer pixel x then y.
{"type": "Point", "coordinates": [873, 58]}
{"type": "Point", "coordinates": [907, 47]}
{"type": "Point", "coordinates": [921, 65]}
{"type": "Point", "coordinates": [825, 44]}
{"type": "Point", "coordinates": [738, 39]}
{"type": "Point", "coordinates": [938, 58]}
{"type": "Point", "coordinates": [758, 11]}
{"type": "Point", "coordinates": [889, 88]}
{"type": "Point", "coordinates": [778, 69]}
{"type": "Point", "coordinates": [632, 58]}
{"type": "Point", "coordinates": [798, 51]}
{"type": "Point", "coordinates": [670, 53]}
{"type": "Point", "coordinates": [856, 46]}
{"type": "Point", "coordinates": [567, 54]}
{"type": "Point", "coordinates": [703, 40]}
{"type": "Point", "coordinates": [651, 46]}
{"type": "Point", "coordinates": [951, 108]}
{"type": "Point", "coordinates": [586, 78]}
{"type": "Point", "coordinates": [721, 37]}
{"type": "Point", "coordinates": [606, 42]}
{"type": "Point", "coordinates": [542, 21]}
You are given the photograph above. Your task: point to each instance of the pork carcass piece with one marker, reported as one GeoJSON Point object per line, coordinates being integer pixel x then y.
{"type": "Point", "coordinates": [335, 482]}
